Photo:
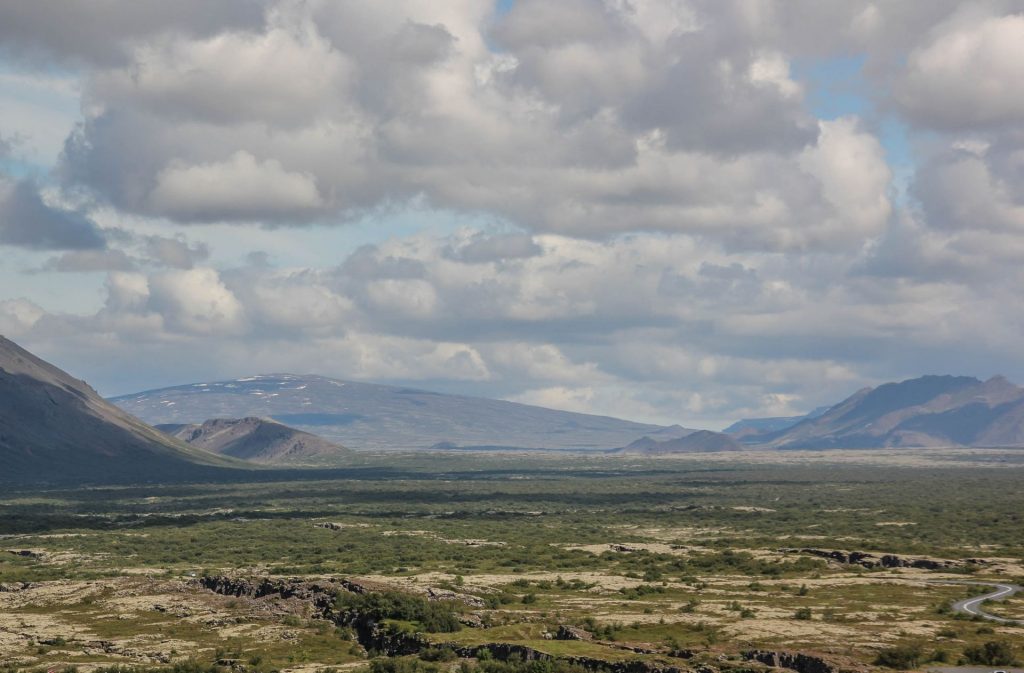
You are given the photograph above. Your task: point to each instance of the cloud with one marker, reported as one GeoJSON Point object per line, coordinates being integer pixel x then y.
{"type": "Point", "coordinates": [195, 301]}
{"type": "Point", "coordinates": [973, 188]}
{"type": "Point", "coordinates": [285, 76]}
{"type": "Point", "coordinates": [613, 118]}
{"type": "Point", "coordinates": [176, 253]}
{"type": "Point", "coordinates": [660, 328]}
{"type": "Point", "coordinates": [18, 316]}
{"type": "Point", "coordinates": [27, 221]}
{"type": "Point", "coordinates": [849, 164]}
{"type": "Point", "coordinates": [101, 32]}
{"type": "Point", "coordinates": [481, 248]}
{"type": "Point", "coordinates": [178, 302]}
{"type": "Point", "coordinates": [90, 260]}
{"type": "Point", "coordinates": [239, 188]}
{"type": "Point", "coordinates": [958, 78]}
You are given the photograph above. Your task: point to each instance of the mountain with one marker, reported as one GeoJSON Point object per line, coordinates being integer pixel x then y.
{"type": "Point", "coordinates": [701, 441]}
{"type": "Point", "coordinates": [260, 440]}
{"type": "Point", "coordinates": [748, 427]}
{"type": "Point", "coordinates": [55, 428]}
{"type": "Point", "coordinates": [926, 411]}
{"type": "Point", "coordinates": [371, 416]}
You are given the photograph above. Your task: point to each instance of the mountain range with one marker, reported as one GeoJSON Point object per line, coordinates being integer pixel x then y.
{"type": "Point", "coordinates": [367, 416]}
{"type": "Point", "coordinates": [926, 411]}
{"type": "Point", "coordinates": [56, 428]}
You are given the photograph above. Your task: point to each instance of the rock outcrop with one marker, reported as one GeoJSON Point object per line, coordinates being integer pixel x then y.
{"type": "Point", "coordinates": [566, 632]}
{"type": "Point", "coordinates": [390, 641]}
{"type": "Point", "coordinates": [868, 560]}
{"type": "Point", "coordinates": [805, 663]}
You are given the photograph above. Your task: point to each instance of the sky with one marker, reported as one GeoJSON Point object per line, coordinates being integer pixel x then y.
{"type": "Point", "coordinates": [676, 211]}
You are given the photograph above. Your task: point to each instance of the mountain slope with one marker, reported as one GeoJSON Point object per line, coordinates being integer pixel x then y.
{"type": "Point", "coordinates": [751, 427]}
{"type": "Point", "coordinates": [927, 411]}
{"type": "Point", "coordinates": [371, 416]}
{"type": "Point", "coordinates": [55, 428]}
{"type": "Point", "coordinates": [702, 441]}
{"type": "Point", "coordinates": [260, 440]}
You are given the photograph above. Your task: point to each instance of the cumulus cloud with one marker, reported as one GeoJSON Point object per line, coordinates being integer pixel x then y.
{"type": "Point", "coordinates": [853, 178]}
{"type": "Point", "coordinates": [615, 117]}
{"type": "Point", "coordinates": [240, 187]}
{"type": "Point", "coordinates": [195, 301]}
{"type": "Point", "coordinates": [965, 188]}
{"type": "Point", "coordinates": [284, 76]}
{"type": "Point", "coordinates": [958, 79]}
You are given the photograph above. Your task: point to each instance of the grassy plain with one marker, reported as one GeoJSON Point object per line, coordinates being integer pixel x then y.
{"type": "Point", "coordinates": [650, 557]}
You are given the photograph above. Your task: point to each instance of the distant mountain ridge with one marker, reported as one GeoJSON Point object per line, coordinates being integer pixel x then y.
{"type": "Point", "coordinates": [922, 412]}
{"type": "Point", "coordinates": [260, 440]}
{"type": "Point", "coordinates": [757, 426]}
{"type": "Point", "coordinates": [372, 416]}
{"type": "Point", "coordinates": [55, 428]}
{"type": "Point", "coordinates": [701, 441]}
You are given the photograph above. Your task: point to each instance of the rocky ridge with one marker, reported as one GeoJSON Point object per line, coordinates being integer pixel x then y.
{"type": "Point", "coordinates": [377, 637]}
{"type": "Point", "coordinates": [869, 560]}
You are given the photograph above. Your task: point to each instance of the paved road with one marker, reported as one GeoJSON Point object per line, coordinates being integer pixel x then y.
{"type": "Point", "coordinates": [972, 606]}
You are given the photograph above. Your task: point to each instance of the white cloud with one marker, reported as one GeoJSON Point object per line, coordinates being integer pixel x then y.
{"type": "Point", "coordinates": [195, 301]}
{"type": "Point", "coordinates": [963, 76]}
{"type": "Point", "coordinates": [288, 75]}
{"type": "Point", "coordinates": [850, 165]}
{"type": "Point", "coordinates": [18, 316]}
{"type": "Point", "coordinates": [241, 187]}
{"type": "Point", "coordinates": [975, 189]}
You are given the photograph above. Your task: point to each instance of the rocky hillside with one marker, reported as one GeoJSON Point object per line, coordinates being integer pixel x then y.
{"type": "Point", "coordinates": [369, 416]}
{"type": "Point", "coordinates": [702, 441]}
{"type": "Point", "coordinates": [260, 440]}
{"type": "Point", "coordinates": [55, 428]}
{"type": "Point", "coordinates": [926, 411]}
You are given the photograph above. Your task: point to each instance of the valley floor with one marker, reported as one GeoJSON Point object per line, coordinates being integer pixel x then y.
{"type": "Point", "coordinates": [703, 563]}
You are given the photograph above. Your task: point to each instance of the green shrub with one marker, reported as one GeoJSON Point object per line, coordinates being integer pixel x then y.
{"type": "Point", "coordinates": [432, 617]}
{"type": "Point", "coordinates": [992, 653]}
{"type": "Point", "coordinates": [901, 657]}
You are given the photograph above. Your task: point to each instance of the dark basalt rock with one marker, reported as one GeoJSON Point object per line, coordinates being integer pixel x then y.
{"type": "Point", "coordinates": [803, 663]}
{"type": "Point", "coordinates": [387, 640]}
{"type": "Point", "coordinates": [566, 632]}
{"type": "Point", "coordinates": [868, 560]}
